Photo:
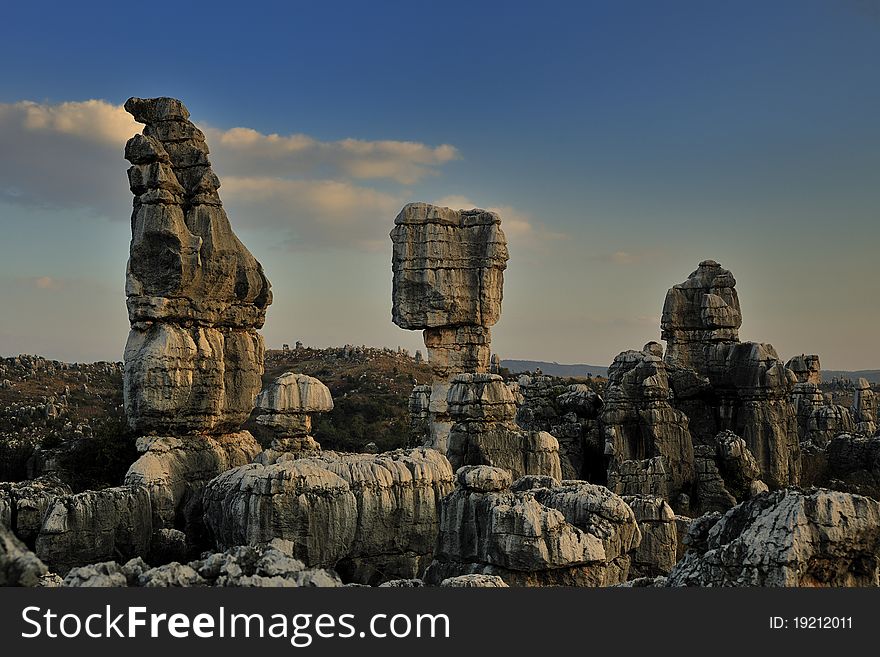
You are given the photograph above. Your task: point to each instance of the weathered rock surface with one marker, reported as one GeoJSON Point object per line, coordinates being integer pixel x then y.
{"type": "Point", "coordinates": [656, 554]}
{"type": "Point", "coordinates": [374, 517]}
{"type": "Point", "coordinates": [448, 275]}
{"type": "Point", "coordinates": [448, 267]}
{"type": "Point", "coordinates": [701, 312]}
{"type": "Point", "coordinates": [270, 565]}
{"type": "Point", "coordinates": [23, 504]}
{"type": "Point", "coordinates": [786, 538]}
{"type": "Point", "coordinates": [475, 581]}
{"type": "Point", "coordinates": [642, 427]}
{"type": "Point", "coordinates": [95, 526]}
{"type": "Point", "coordinates": [285, 409]}
{"type": "Point", "coordinates": [864, 408]}
{"type": "Point", "coordinates": [806, 368]}
{"type": "Point", "coordinates": [174, 470]}
{"type": "Point", "coordinates": [745, 387]}
{"type": "Point", "coordinates": [18, 565]}
{"type": "Point", "coordinates": [195, 294]}
{"type": "Point", "coordinates": [533, 532]}
{"type": "Point", "coordinates": [483, 408]}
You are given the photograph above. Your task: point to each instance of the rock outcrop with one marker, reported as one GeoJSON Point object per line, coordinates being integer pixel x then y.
{"type": "Point", "coordinates": [864, 408]}
{"type": "Point", "coordinates": [175, 469]}
{"type": "Point", "coordinates": [786, 538]}
{"type": "Point", "coordinates": [285, 408]}
{"type": "Point", "coordinates": [806, 368]}
{"type": "Point", "coordinates": [448, 275]}
{"type": "Point", "coordinates": [93, 526]}
{"type": "Point", "coordinates": [724, 384]}
{"type": "Point", "coordinates": [18, 565]}
{"type": "Point", "coordinates": [23, 504]}
{"type": "Point", "coordinates": [374, 517]}
{"type": "Point", "coordinates": [647, 441]}
{"type": "Point", "coordinates": [533, 532]}
{"type": "Point", "coordinates": [484, 432]}
{"type": "Point", "coordinates": [270, 565]}
{"type": "Point", "coordinates": [196, 296]}
{"type": "Point", "coordinates": [656, 553]}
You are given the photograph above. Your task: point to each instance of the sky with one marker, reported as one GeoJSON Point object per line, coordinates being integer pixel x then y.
{"type": "Point", "coordinates": [621, 142]}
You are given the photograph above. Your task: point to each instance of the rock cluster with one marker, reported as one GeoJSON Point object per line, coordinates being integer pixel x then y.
{"type": "Point", "coordinates": [373, 517]}
{"type": "Point", "coordinates": [285, 408]}
{"type": "Point", "coordinates": [269, 565]}
{"type": "Point", "coordinates": [533, 532]}
{"type": "Point", "coordinates": [483, 409]}
{"type": "Point", "coordinates": [786, 538]}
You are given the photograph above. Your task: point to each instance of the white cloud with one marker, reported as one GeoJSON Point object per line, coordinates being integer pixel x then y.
{"type": "Point", "coordinates": [70, 155]}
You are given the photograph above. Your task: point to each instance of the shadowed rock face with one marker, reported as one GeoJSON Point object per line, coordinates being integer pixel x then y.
{"type": "Point", "coordinates": [195, 294]}
{"type": "Point", "coordinates": [786, 538]}
{"type": "Point", "coordinates": [648, 443]}
{"type": "Point", "coordinates": [724, 384]}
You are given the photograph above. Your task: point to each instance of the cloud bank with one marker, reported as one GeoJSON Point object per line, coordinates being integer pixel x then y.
{"type": "Point", "coordinates": [314, 193]}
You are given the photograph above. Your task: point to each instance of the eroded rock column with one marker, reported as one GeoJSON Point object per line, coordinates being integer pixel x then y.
{"type": "Point", "coordinates": [448, 275]}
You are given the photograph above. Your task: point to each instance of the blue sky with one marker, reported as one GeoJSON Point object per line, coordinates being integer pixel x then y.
{"type": "Point", "coordinates": [622, 142]}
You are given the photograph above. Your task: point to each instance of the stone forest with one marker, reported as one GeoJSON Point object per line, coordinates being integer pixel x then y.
{"type": "Point", "coordinates": [702, 460]}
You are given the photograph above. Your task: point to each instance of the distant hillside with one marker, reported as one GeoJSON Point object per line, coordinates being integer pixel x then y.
{"type": "Point", "coordinates": [554, 369]}
{"type": "Point", "coordinates": [873, 376]}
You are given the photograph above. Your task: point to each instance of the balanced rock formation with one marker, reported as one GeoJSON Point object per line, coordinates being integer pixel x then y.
{"type": "Point", "coordinates": [196, 296]}
{"type": "Point", "coordinates": [724, 384]}
{"type": "Point", "coordinates": [448, 275]}
{"type": "Point", "coordinates": [786, 538]}
{"type": "Point", "coordinates": [371, 516]}
{"type": "Point", "coordinates": [647, 441]}
{"type": "Point", "coordinates": [533, 532]}
{"type": "Point", "coordinates": [285, 408]}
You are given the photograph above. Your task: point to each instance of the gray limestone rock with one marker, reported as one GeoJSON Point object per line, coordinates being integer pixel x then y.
{"type": "Point", "coordinates": [95, 526]}
{"type": "Point", "coordinates": [174, 470]}
{"type": "Point", "coordinates": [373, 516]}
{"type": "Point", "coordinates": [483, 408]}
{"type": "Point", "coordinates": [657, 552]}
{"type": "Point", "coordinates": [448, 267]}
{"type": "Point", "coordinates": [18, 565]}
{"type": "Point", "coordinates": [786, 538]}
{"type": "Point", "coordinates": [647, 440]}
{"type": "Point", "coordinates": [26, 502]}
{"type": "Point", "coordinates": [475, 581]}
{"type": "Point", "coordinates": [195, 294]}
{"type": "Point", "coordinates": [573, 533]}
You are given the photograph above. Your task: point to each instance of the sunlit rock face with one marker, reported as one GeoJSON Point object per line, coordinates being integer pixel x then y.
{"type": "Point", "coordinates": [195, 294]}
